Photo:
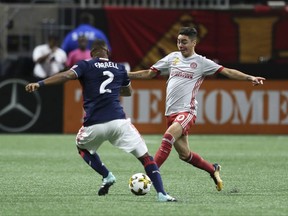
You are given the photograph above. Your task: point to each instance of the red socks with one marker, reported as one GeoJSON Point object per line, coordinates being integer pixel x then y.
{"type": "Point", "coordinates": [165, 149]}
{"type": "Point", "coordinates": [193, 159]}
{"type": "Point", "coordinates": [197, 161]}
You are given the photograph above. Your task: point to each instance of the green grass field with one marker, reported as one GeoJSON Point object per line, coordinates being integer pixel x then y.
{"type": "Point", "coordinates": [44, 175]}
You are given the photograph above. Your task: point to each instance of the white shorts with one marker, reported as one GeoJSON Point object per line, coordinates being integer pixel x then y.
{"type": "Point", "coordinates": [120, 133]}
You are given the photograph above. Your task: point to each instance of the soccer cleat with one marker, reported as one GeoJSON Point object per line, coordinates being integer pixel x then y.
{"type": "Point", "coordinates": [106, 184]}
{"type": "Point", "coordinates": [216, 177]}
{"type": "Point", "coordinates": [165, 198]}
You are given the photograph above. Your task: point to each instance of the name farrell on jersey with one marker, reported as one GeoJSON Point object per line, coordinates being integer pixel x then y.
{"type": "Point", "coordinates": [106, 65]}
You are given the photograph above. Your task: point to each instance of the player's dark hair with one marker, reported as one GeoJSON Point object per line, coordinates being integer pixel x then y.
{"type": "Point", "coordinates": [97, 46]}
{"type": "Point", "coordinates": [191, 32]}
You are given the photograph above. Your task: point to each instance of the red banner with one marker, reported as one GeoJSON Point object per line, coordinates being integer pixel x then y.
{"type": "Point", "coordinates": [143, 36]}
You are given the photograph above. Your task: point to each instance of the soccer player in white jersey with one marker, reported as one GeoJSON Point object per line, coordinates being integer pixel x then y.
{"type": "Point", "coordinates": [103, 81]}
{"type": "Point", "coordinates": [186, 70]}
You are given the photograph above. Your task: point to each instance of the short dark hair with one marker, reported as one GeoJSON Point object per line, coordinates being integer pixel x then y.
{"type": "Point", "coordinates": [97, 45]}
{"type": "Point", "coordinates": [191, 32]}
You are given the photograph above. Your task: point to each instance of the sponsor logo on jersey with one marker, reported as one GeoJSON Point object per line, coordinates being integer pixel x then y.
{"type": "Point", "coordinates": [176, 61]}
{"type": "Point", "coordinates": [183, 74]}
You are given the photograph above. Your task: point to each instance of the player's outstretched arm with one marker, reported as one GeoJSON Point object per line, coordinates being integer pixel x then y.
{"type": "Point", "coordinates": [55, 79]}
{"type": "Point", "coordinates": [238, 75]}
{"type": "Point", "coordinates": [143, 74]}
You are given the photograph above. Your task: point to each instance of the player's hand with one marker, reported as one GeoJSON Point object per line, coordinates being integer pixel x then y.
{"type": "Point", "coordinates": [31, 87]}
{"type": "Point", "coordinates": [257, 81]}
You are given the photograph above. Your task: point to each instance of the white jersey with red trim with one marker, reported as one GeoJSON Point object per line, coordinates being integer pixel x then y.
{"type": "Point", "coordinates": [185, 78]}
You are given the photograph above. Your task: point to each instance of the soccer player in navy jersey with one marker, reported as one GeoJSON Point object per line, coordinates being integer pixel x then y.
{"type": "Point", "coordinates": [103, 81]}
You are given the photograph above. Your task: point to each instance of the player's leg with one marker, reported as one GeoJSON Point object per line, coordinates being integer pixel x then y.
{"type": "Point", "coordinates": [168, 139]}
{"type": "Point", "coordinates": [185, 154]}
{"type": "Point", "coordinates": [88, 142]}
{"type": "Point", "coordinates": [177, 125]}
{"type": "Point", "coordinates": [181, 144]}
{"type": "Point", "coordinates": [94, 161]}
{"type": "Point", "coordinates": [153, 172]}
{"type": "Point", "coordinates": [130, 141]}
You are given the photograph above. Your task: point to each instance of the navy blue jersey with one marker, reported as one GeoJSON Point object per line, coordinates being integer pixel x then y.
{"type": "Point", "coordinates": [101, 81]}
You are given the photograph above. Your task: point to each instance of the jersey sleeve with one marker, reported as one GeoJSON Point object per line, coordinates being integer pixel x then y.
{"type": "Point", "coordinates": [79, 68]}
{"type": "Point", "coordinates": [126, 80]}
{"type": "Point", "coordinates": [210, 67]}
{"type": "Point", "coordinates": [162, 66]}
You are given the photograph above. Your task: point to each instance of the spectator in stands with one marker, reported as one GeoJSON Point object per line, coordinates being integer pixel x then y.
{"type": "Point", "coordinates": [82, 53]}
{"type": "Point", "coordinates": [49, 58]}
{"type": "Point", "coordinates": [87, 29]}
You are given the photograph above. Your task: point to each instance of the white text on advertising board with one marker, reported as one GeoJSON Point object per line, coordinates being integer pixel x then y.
{"type": "Point", "coordinates": [217, 107]}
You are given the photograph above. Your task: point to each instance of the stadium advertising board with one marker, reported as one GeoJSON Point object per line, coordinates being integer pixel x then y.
{"type": "Point", "coordinates": [20, 111]}
{"type": "Point", "coordinates": [238, 108]}
{"type": "Point", "coordinates": [224, 107]}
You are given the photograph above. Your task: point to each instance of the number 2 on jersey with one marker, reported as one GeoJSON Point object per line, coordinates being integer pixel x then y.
{"type": "Point", "coordinates": [103, 88]}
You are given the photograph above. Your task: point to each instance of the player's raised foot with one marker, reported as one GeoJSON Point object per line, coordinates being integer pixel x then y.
{"type": "Point", "coordinates": [106, 184]}
{"type": "Point", "coordinates": [165, 198]}
{"type": "Point", "coordinates": [216, 177]}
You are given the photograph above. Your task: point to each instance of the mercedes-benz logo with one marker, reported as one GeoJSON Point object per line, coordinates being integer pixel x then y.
{"type": "Point", "coordinates": [19, 110]}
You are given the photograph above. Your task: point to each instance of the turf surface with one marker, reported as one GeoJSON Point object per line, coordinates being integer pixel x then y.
{"type": "Point", "coordinates": [44, 175]}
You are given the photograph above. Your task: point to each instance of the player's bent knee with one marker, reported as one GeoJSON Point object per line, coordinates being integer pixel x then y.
{"type": "Point", "coordinates": [146, 160]}
{"type": "Point", "coordinates": [143, 156]}
{"type": "Point", "coordinates": [81, 152]}
{"type": "Point", "coordinates": [184, 157]}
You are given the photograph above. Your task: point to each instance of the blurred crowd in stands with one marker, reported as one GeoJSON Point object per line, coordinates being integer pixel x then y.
{"type": "Point", "coordinates": [55, 56]}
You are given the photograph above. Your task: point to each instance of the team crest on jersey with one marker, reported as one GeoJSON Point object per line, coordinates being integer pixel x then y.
{"type": "Point", "coordinates": [176, 61]}
{"type": "Point", "coordinates": [193, 65]}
